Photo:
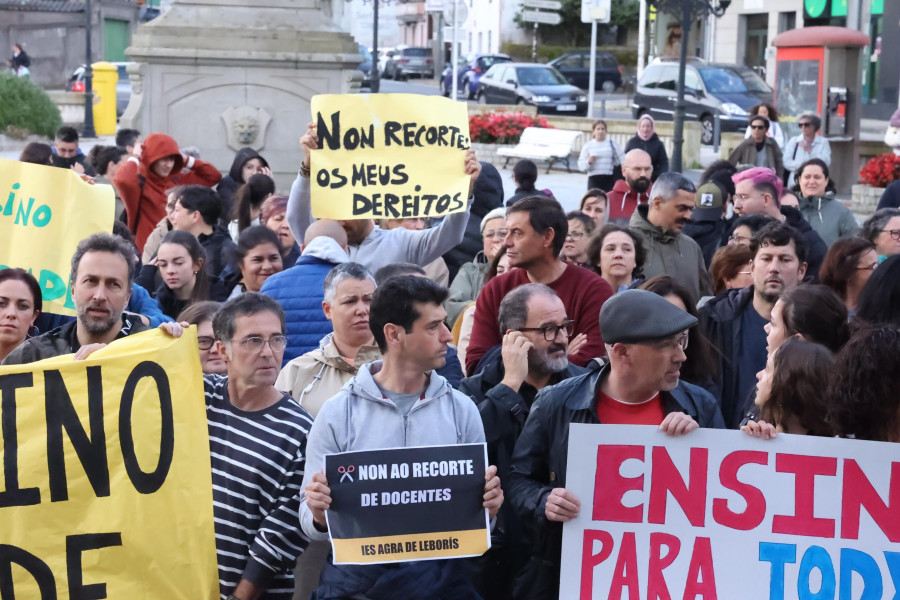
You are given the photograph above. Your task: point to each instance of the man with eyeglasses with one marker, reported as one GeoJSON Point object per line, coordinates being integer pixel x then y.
{"type": "Point", "coordinates": [257, 438]}
{"type": "Point", "coordinates": [805, 145]}
{"type": "Point", "coordinates": [757, 191]}
{"type": "Point", "coordinates": [533, 356]}
{"type": "Point", "coordinates": [758, 150]}
{"type": "Point", "coordinates": [645, 339]}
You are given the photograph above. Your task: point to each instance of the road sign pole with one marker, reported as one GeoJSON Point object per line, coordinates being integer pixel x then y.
{"type": "Point", "coordinates": [592, 74]}
{"type": "Point", "coordinates": [453, 53]}
{"type": "Point", "coordinates": [534, 43]}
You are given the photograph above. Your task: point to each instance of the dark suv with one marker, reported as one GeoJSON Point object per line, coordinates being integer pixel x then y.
{"type": "Point", "coordinates": [576, 68]}
{"type": "Point", "coordinates": [710, 89]}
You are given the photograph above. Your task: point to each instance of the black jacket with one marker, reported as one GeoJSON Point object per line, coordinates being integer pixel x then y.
{"type": "Point", "coordinates": [815, 246]}
{"type": "Point", "coordinates": [229, 184]}
{"type": "Point", "coordinates": [721, 320]}
{"type": "Point", "coordinates": [63, 340]}
{"type": "Point", "coordinates": [68, 163]}
{"type": "Point", "coordinates": [488, 195]}
{"type": "Point", "coordinates": [709, 236]}
{"type": "Point", "coordinates": [503, 413]}
{"type": "Point", "coordinates": [655, 148]}
{"type": "Point", "coordinates": [891, 196]}
{"type": "Point", "coordinates": [219, 249]}
{"type": "Point", "coordinates": [541, 456]}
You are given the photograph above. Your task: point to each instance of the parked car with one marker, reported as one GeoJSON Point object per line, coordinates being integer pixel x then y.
{"type": "Point", "coordinates": [528, 83]}
{"type": "Point", "coordinates": [365, 67]}
{"type": "Point", "coordinates": [469, 72]}
{"type": "Point", "coordinates": [383, 55]}
{"type": "Point", "coordinates": [576, 68]}
{"type": "Point", "coordinates": [123, 86]}
{"type": "Point", "coordinates": [710, 89]}
{"type": "Point", "coordinates": [409, 61]}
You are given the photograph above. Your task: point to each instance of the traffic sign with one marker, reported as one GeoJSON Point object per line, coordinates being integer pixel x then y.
{"type": "Point", "coordinates": [595, 10]}
{"type": "Point", "coordinates": [462, 12]}
{"type": "Point", "coordinates": [548, 18]}
{"type": "Point", "coordinates": [545, 4]}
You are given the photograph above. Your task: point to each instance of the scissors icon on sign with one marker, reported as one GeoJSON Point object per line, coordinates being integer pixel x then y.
{"type": "Point", "coordinates": [345, 472]}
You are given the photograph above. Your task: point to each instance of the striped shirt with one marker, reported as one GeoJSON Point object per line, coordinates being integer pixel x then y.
{"type": "Point", "coordinates": [257, 470]}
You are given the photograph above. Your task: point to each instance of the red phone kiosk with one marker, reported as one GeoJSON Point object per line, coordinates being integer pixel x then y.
{"type": "Point", "coordinates": [817, 70]}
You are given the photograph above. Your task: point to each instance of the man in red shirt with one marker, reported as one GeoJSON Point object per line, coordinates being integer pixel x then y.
{"type": "Point", "coordinates": [537, 229]}
{"type": "Point", "coordinates": [645, 340]}
{"type": "Point", "coordinates": [627, 194]}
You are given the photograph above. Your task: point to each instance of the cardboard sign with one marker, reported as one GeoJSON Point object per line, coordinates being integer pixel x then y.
{"type": "Point", "coordinates": [718, 514]}
{"type": "Point", "coordinates": [44, 213]}
{"type": "Point", "coordinates": [407, 504]}
{"type": "Point", "coordinates": [107, 489]}
{"type": "Point", "coordinates": [393, 156]}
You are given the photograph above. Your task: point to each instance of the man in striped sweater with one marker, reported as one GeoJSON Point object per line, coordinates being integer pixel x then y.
{"type": "Point", "coordinates": [257, 438]}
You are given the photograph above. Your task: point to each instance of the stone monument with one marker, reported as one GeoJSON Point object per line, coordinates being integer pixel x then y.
{"type": "Point", "coordinates": [224, 74]}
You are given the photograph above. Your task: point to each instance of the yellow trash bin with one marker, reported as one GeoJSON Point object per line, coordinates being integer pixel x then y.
{"type": "Point", "coordinates": [106, 76]}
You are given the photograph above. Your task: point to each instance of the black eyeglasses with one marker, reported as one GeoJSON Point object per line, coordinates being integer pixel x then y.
{"type": "Point", "coordinates": [804, 124]}
{"type": "Point", "coordinates": [895, 233]}
{"type": "Point", "coordinates": [757, 127]}
{"type": "Point", "coordinates": [205, 342]}
{"type": "Point", "coordinates": [551, 331]}
{"type": "Point", "coordinates": [255, 343]}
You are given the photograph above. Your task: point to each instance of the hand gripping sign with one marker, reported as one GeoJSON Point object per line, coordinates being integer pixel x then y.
{"type": "Point", "coordinates": [406, 504]}
{"type": "Point", "coordinates": [44, 213]}
{"type": "Point", "coordinates": [718, 514]}
{"type": "Point", "coordinates": [107, 487]}
{"type": "Point", "coordinates": [392, 156]}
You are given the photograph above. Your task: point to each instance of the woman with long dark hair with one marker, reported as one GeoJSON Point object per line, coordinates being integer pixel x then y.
{"type": "Point", "coordinates": [814, 312]}
{"type": "Point", "coordinates": [700, 365]}
{"type": "Point", "coordinates": [249, 199]}
{"type": "Point", "coordinates": [20, 305]}
{"type": "Point", "coordinates": [180, 262]}
{"type": "Point", "coordinates": [257, 256]}
{"type": "Point", "coordinates": [847, 267]}
{"type": "Point", "coordinates": [863, 398]}
{"type": "Point", "coordinates": [789, 393]}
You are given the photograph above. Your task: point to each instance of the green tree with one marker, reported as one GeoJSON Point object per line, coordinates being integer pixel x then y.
{"type": "Point", "coordinates": [572, 32]}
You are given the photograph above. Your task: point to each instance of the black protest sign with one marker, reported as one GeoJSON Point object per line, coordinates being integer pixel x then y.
{"type": "Point", "coordinates": [406, 504]}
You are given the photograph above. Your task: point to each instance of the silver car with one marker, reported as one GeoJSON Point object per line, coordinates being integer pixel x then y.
{"type": "Point", "coordinates": [409, 61]}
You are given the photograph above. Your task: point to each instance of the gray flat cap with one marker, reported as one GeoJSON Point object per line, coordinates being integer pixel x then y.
{"type": "Point", "coordinates": [637, 315]}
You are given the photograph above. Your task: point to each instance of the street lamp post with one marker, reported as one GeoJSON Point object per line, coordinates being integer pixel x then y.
{"type": "Point", "coordinates": [88, 130]}
{"type": "Point", "coordinates": [687, 11]}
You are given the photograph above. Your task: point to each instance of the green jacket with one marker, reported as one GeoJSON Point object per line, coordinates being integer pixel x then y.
{"type": "Point", "coordinates": [465, 287]}
{"type": "Point", "coordinates": [675, 255]}
{"type": "Point", "coordinates": [829, 217]}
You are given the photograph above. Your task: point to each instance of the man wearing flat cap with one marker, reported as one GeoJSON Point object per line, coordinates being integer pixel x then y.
{"type": "Point", "coordinates": [645, 338]}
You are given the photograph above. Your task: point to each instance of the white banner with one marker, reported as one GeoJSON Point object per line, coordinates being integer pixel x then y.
{"type": "Point", "coordinates": [720, 515]}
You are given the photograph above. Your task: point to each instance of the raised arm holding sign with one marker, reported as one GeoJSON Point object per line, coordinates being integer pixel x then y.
{"type": "Point", "coordinates": [371, 173]}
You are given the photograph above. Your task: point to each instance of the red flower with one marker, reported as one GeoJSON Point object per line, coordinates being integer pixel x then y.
{"type": "Point", "coordinates": [502, 127]}
{"type": "Point", "coordinates": [881, 171]}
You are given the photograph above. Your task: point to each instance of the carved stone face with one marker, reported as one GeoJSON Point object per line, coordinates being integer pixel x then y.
{"type": "Point", "coordinates": [246, 129]}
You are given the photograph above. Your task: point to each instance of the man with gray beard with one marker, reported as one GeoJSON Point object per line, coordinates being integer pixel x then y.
{"type": "Point", "coordinates": [102, 273]}
{"type": "Point", "coordinates": [533, 355]}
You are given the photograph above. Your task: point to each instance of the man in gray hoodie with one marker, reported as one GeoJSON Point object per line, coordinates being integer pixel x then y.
{"type": "Point", "coordinates": [396, 402]}
{"type": "Point", "coordinates": [372, 246]}
{"type": "Point", "coordinates": [659, 225]}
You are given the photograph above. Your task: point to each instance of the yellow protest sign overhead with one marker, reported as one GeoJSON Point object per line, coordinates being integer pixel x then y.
{"type": "Point", "coordinates": [107, 480]}
{"type": "Point", "coordinates": [391, 156]}
{"type": "Point", "coordinates": [44, 213]}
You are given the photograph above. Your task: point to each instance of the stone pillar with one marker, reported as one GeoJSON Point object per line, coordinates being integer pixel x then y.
{"type": "Point", "coordinates": [224, 74]}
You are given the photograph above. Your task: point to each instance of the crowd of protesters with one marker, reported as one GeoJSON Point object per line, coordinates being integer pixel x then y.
{"type": "Point", "coordinates": [659, 302]}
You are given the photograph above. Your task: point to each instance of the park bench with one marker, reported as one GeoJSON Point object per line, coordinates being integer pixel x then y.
{"type": "Point", "coordinates": [540, 143]}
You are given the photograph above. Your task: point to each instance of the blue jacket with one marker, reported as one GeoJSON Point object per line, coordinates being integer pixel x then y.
{"type": "Point", "coordinates": [299, 291]}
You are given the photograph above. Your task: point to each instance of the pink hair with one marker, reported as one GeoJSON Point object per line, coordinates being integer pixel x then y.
{"type": "Point", "coordinates": [760, 175]}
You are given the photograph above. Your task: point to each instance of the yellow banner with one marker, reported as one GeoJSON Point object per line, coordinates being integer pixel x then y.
{"type": "Point", "coordinates": [107, 488]}
{"type": "Point", "coordinates": [391, 156]}
{"type": "Point", "coordinates": [44, 213]}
